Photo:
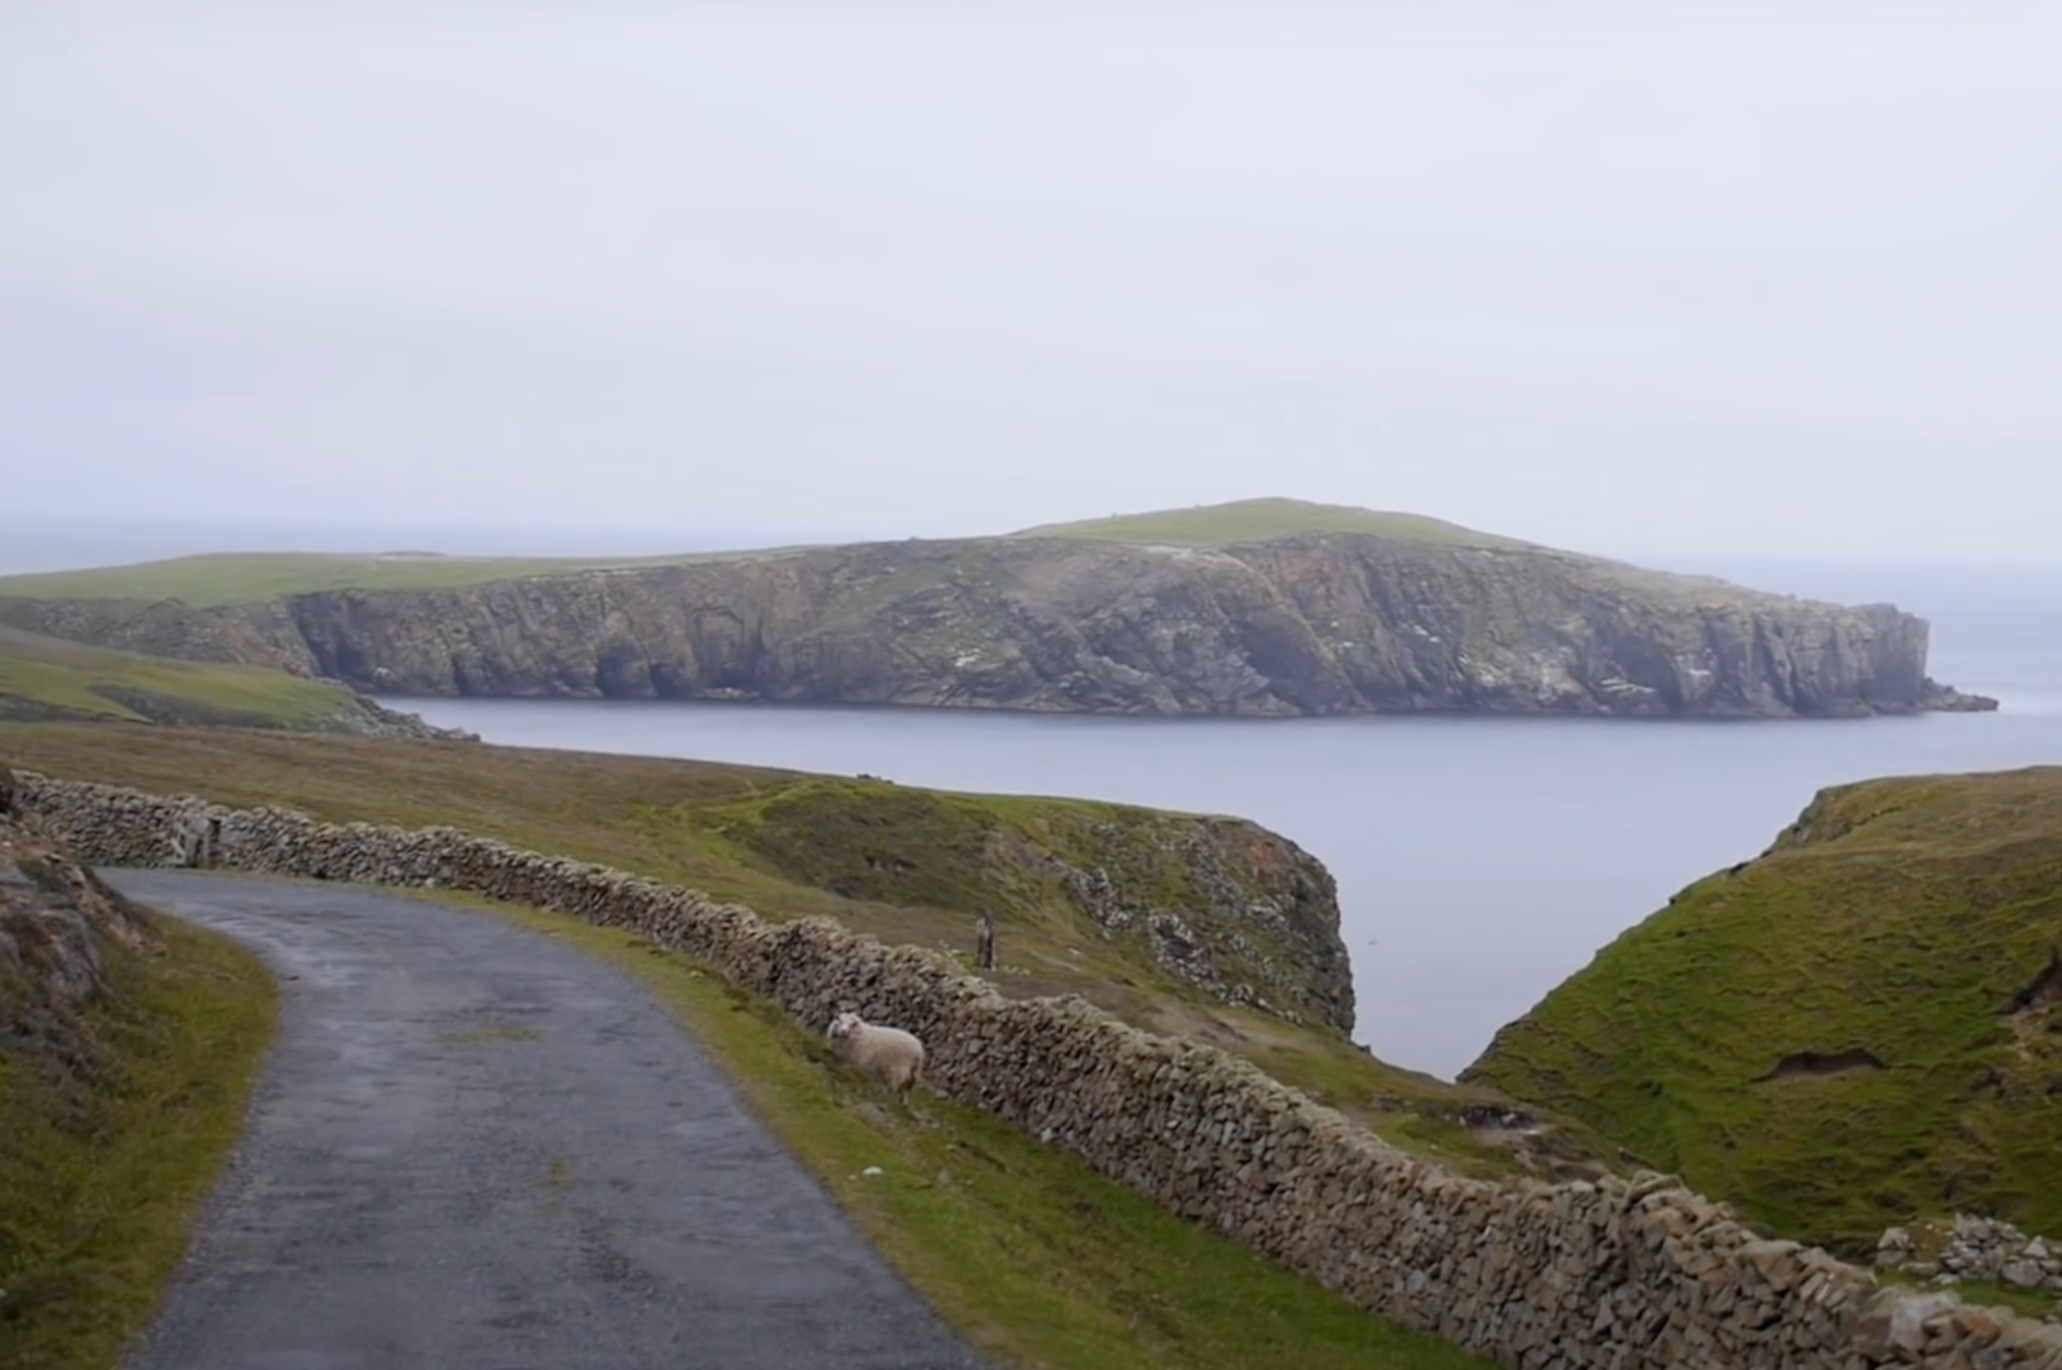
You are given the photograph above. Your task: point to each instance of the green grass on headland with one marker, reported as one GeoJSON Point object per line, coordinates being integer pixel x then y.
{"type": "Point", "coordinates": [1259, 520]}
{"type": "Point", "coordinates": [45, 674]}
{"type": "Point", "coordinates": [103, 1170]}
{"type": "Point", "coordinates": [905, 864]}
{"type": "Point", "coordinates": [1861, 1027]}
{"type": "Point", "coordinates": [1032, 1257]}
{"type": "Point", "coordinates": [252, 577]}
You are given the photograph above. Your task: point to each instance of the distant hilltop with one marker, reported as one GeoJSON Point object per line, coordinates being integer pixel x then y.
{"type": "Point", "coordinates": [1265, 607]}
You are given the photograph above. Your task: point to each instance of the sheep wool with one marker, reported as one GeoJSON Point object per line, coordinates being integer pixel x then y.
{"type": "Point", "coordinates": [889, 1054]}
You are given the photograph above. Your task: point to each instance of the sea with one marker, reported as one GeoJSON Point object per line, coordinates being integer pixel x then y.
{"type": "Point", "coordinates": [1480, 861]}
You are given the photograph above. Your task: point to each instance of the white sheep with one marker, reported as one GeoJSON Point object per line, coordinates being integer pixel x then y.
{"type": "Point", "coordinates": [889, 1054]}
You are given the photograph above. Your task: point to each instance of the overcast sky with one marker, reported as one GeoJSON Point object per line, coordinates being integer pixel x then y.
{"type": "Point", "coordinates": [1630, 278]}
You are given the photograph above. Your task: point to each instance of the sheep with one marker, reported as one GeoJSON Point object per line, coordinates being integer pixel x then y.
{"type": "Point", "coordinates": [889, 1054]}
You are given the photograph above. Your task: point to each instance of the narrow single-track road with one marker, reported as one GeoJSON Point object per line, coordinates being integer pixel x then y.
{"type": "Point", "coordinates": [473, 1148]}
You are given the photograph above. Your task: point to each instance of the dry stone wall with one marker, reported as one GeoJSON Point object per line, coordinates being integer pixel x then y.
{"type": "Point", "coordinates": [1616, 1273]}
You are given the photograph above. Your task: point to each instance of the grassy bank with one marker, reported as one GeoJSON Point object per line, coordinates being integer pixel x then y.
{"type": "Point", "coordinates": [103, 1171]}
{"type": "Point", "coordinates": [1032, 1257]}
{"type": "Point", "coordinates": [905, 864]}
{"type": "Point", "coordinates": [1859, 1028]}
{"type": "Point", "coordinates": [69, 678]}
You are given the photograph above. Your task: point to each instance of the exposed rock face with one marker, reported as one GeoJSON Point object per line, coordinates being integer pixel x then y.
{"type": "Point", "coordinates": [56, 922]}
{"type": "Point", "coordinates": [163, 627]}
{"type": "Point", "coordinates": [1330, 624]}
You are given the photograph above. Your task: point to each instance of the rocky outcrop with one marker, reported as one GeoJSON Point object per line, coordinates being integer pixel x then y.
{"type": "Point", "coordinates": [1636, 1274]}
{"type": "Point", "coordinates": [57, 923]}
{"type": "Point", "coordinates": [1320, 624]}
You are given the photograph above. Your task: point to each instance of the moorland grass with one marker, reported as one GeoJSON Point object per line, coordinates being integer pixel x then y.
{"type": "Point", "coordinates": [905, 864]}
{"type": "Point", "coordinates": [220, 578]}
{"type": "Point", "coordinates": [216, 579]}
{"type": "Point", "coordinates": [1259, 520]}
{"type": "Point", "coordinates": [76, 678]}
{"type": "Point", "coordinates": [1827, 1036]}
{"type": "Point", "coordinates": [103, 1172]}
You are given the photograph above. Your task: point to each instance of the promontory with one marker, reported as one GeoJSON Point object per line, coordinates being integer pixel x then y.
{"type": "Point", "coordinates": [1262, 608]}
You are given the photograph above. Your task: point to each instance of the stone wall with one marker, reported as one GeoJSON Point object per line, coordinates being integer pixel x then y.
{"type": "Point", "coordinates": [1972, 1247]}
{"type": "Point", "coordinates": [1616, 1273]}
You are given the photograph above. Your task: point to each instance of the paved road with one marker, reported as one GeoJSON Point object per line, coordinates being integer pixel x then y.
{"type": "Point", "coordinates": [475, 1149]}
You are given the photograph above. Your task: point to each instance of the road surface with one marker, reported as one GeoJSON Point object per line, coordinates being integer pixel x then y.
{"type": "Point", "coordinates": [473, 1148]}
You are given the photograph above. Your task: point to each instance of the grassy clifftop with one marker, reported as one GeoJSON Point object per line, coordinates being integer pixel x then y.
{"type": "Point", "coordinates": [219, 579]}
{"type": "Point", "coordinates": [1263, 520]}
{"type": "Point", "coordinates": [43, 676]}
{"type": "Point", "coordinates": [1862, 1025]}
{"type": "Point", "coordinates": [1070, 883]}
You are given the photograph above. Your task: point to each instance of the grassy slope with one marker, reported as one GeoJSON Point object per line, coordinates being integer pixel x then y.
{"type": "Point", "coordinates": [1258, 520]}
{"type": "Point", "coordinates": [1899, 917]}
{"type": "Point", "coordinates": [781, 841]}
{"type": "Point", "coordinates": [102, 1177]}
{"type": "Point", "coordinates": [248, 577]}
{"type": "Point", "coordinates": [1031, 1256]}
{"type": "Point", "coordinates": [92, 680]}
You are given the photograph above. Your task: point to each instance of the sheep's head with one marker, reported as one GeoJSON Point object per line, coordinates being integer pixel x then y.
{"type": "Point", "coordinates": [844, 1025]}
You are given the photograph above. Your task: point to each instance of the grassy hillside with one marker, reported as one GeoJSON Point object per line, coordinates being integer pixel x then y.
{"type": "Point", "coordinates": [250, 577]}
{"type": "Point", "coordinates": [1861, 1026]}
{"type": "Point", "coordinates": [45, 676]}
{"type": "Point", "coordinates": [1258, 520]}
{"type": "Point", "coordinates": [905, 864]}
{"type": "Point", "coordinates": [117, 1116]}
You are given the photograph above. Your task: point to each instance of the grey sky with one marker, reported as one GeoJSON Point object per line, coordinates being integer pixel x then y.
{"type": "Point", "coordinates": [1729, 278]}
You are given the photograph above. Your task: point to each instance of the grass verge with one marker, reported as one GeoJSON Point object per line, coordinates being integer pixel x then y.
{"type": "Point", "coordinates": [1033, 1258]}
{"type": "Point", "coordinates": [102, 1174]}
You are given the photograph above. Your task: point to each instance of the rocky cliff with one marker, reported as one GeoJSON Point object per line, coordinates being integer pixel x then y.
{"type": "Point", "coordinates": [1313, 624]}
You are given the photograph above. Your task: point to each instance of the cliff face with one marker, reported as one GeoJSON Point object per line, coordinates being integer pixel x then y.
{"type": "Point", "coordinates": [1321, 624]}
{"type": "Point", "coordinates": [1317, 625]}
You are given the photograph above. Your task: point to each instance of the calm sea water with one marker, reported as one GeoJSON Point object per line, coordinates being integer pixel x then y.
{"type": "Point", "coordinates": [1480, 861]}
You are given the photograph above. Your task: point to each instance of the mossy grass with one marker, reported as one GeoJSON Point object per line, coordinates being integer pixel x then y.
{"type": "Point", "coordinates": [70, 678]}
{"type": "Point", "coordinates": [103, 1172]}
{"type": "Point", "coordinates": [1861, 1026]}
{"type": "Point", "coordinates": [1261, 520]}
{"type": "Point", "coordinates": [905, 864]}
{"type": "Point", "coordinates": [1028, 1254]}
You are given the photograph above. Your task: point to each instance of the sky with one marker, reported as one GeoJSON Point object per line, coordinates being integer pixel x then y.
{"type": "Point", "coordinates": [1650, 280]}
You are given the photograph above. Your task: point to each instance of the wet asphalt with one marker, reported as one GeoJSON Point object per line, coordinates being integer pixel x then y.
{"type": "Point", "coordinates": [473, 1148]}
